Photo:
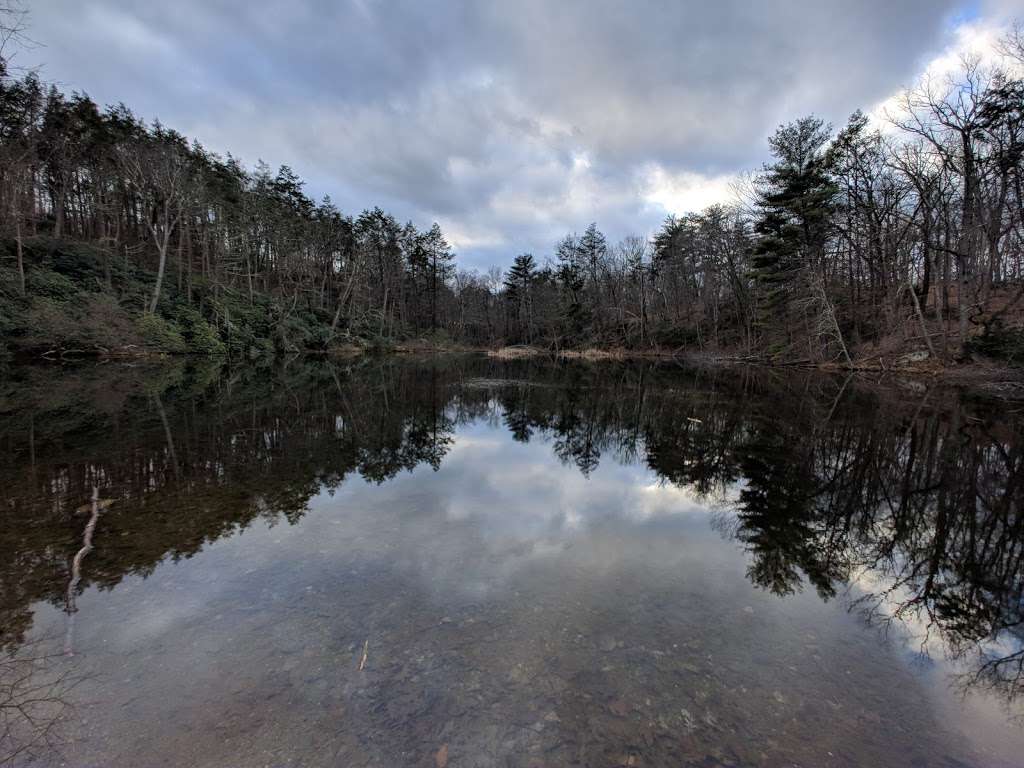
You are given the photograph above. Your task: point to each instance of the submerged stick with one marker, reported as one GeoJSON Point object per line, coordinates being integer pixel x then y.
{"type": "Point", "coordinates": [366, 648]}
{"type": "Point", "coordinates": [76, 566]}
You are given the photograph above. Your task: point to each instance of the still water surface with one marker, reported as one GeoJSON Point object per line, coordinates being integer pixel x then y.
{"type": "Point", "coordinates": [464, 562]}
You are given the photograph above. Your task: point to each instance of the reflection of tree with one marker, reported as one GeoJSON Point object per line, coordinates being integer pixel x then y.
{"type": "Point", "coordinates": [999, 671]}
{"type": "Point", "coordinates": [826, 483]}
{"type": "Point", "coordinates": [776, 515]}
{"type": "Point", "coordinates": [577, 441]}
{"type": "Point", "coordinates": [517, 421]}
{"type": "Point", "coordinates": [246, 445]}
{"type": "Point", "coordinates": [931, 510]}
{"type": "Point", "coordinates": [33, 701]}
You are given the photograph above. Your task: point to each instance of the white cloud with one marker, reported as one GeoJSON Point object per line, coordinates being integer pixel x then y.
{"type": "Point", "coordinates": [509, 125]}
{"type": "Point", "coordinates": [971, 40]}
{"type": "Point", "coordinates": [684, 191]}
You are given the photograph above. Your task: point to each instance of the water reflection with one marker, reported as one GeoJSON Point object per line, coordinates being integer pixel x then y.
{"type": "Point", "coordinates": [514, 608]}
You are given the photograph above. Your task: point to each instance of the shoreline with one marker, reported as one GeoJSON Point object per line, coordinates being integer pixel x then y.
{"type": "Point", "coordinates": [974, 372]}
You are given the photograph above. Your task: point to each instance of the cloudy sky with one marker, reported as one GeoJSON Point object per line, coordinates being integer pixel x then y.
{"type": "Point", "coordinates": [510, 123]}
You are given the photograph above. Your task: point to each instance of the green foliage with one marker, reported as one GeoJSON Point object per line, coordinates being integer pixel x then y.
{"type": "Point", "coordinates": [85, 265]}
{"type": "Point", "coordinates": [9, 290]}
{"type": "Point", "coordinates": [261, 348]}
{"type": "Point", "coordinates": [379, 345]}
{"type": "Point", "coordinates": [319, 338]}
{"type": "Point", "coordinates": [72, 305]}
{"type": "Point", "coordinates": [245, 326]}
{"type": "Point", "coordinates": [12, 305]}
{"type": "Point", "coordinates": [290, 332]}
{"type": "Point", "coordinates": [200, 337]}
{"type": "Point", "coordinates": [49, 284]}
{"type": "Point", "coordinates": [160, 334]}
{"type": "Point", "coordinates": [48, 322]}
{"type": "Point", "coordinates": [840, 227]}
{"type": "Point", "coordinates": [795, 205]}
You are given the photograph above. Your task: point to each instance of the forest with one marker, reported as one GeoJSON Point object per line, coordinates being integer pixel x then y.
{"type": "Point", "coordinates": [900, 237]}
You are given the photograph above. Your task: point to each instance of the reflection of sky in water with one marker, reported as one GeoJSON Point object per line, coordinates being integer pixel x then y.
{"type": "Point", "coordinates": [555, 585]}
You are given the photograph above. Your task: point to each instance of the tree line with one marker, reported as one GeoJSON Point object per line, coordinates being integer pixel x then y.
{"type": "Point", "coordinates": [877, 236]}
{"type": "Point", "coordinates": [913, 230]}
{"type": "Point", "coordinates": [151, 198]}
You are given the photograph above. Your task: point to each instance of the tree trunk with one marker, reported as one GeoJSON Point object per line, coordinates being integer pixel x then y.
{"type": "Point", "coordinates": [163, 247]}
{"type": "Point", "coordinates": [21, 258]}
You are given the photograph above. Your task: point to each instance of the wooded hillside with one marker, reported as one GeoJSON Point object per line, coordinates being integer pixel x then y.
{"type": "Point", "coordinates": [886, 237]}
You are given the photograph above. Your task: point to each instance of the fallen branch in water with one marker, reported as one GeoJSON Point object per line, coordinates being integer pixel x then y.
{"type": "Point", "coordinates": [76, 565]}
{"type": "Point", "coordinates": [366, 649]}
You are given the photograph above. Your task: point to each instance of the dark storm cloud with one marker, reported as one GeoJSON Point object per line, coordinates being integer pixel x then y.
{"type": "Point", "coordinates": [508, 122]}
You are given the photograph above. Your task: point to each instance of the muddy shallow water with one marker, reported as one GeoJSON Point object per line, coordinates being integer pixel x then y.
{"type": "Point", "coordinates": [465, 562]}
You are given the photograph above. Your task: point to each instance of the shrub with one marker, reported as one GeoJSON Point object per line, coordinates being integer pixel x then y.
{"type": "Point", "coordinates": [320, 337]}
{"type": "Point", "coordinates": [81, 263]}
{"type": "Point", "coordinates": [102, 322]}
{"type": "Point", "coordinates": [10, 284]}
{"type": "Point", "coordinates": [379, 345]}
{"type": "Point", "coordinates": [1000, 343]}
{"type": "Point", "coordinates": [200, 337]}
{"type": "Point", "coordinates": [49, 324]}
{"type": "Point", "coordinates": [160, 334]}
{"type": "Point", "coordinates": [51, 285]}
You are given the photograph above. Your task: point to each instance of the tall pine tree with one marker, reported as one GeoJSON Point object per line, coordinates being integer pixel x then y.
{"type": "Point", "coordinates": [796, 203]}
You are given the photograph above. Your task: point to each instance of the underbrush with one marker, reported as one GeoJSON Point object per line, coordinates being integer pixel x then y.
{"type": "Point", "coordinates": [81, 299]}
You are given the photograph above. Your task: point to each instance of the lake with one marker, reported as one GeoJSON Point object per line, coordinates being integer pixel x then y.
{"type": "Point", "coordinates": [470, 562]}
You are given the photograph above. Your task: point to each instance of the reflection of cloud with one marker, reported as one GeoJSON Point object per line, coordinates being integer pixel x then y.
{"type": "Point", "coordinates": [519, 490]}
{"type": "Point", "coordinates": [974, 715]}
{"type": "Point", "coordinates": [504, 535]}
{"type": "Point", "coordinates": [901, 608]}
